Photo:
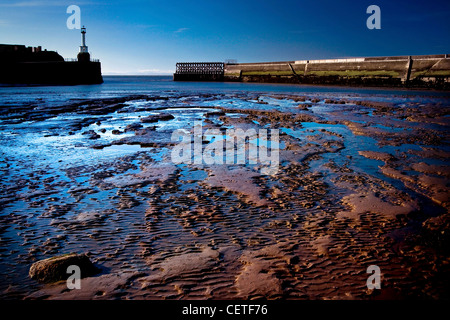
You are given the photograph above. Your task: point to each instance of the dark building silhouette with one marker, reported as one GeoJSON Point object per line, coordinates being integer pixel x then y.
{"type": "Point", "coordinates": [34, 66]}
{"type": "Point", "coordinates": [20, 53]}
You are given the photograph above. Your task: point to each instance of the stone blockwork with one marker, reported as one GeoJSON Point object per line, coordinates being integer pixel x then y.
{"type": "Point", "coordinates": [415, 71]}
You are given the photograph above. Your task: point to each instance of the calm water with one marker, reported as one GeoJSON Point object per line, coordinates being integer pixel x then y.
{"type": "Point", "coordinates": [116, 86]}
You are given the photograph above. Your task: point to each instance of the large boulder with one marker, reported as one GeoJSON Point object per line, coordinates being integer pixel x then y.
{"type": "Point", "coordinates": [55, 269]}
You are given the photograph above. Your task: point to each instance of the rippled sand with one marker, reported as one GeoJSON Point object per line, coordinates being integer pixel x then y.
{"type": "Point", "coordinates": [359, 183]}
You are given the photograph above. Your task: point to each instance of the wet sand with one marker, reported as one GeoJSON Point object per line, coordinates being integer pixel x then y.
{"type": "Point", "coordinates": [360, 183]}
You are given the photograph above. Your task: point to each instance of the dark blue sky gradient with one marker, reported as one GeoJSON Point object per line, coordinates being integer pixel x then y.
{"type": "Point", "coordinates": [149, 36]}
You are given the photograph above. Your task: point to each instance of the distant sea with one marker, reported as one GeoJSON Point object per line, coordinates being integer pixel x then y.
{"type": "Point", "coordinates": [117, 86]}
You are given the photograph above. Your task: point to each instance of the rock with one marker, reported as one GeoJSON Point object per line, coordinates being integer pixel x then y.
{"type": "Point", "coordinates": [116, 131]}
{"type": "Point", "coordinates": [303, 106]}
{"type": "Point", "coordinates": [145, 131]}
{"type": "Point", "coordinates": [133, 127]}
{"type": "Point", "coordinates": [92, 134]}
{"type": "Point", "coordinates": [221, 113]}
{"type": "Point", "coordinates": [157, 117]}
{"type": "Point", "coordinates": [299, 99]}
{"type": "Point", "coordinates": [55, 269]}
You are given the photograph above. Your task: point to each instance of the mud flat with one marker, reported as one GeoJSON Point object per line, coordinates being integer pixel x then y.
{"type": "Point", "coordinates": [361, 181]}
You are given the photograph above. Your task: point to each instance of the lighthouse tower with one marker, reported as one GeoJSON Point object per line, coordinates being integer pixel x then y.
{"type": "Point", "coordinates": [83, 55]}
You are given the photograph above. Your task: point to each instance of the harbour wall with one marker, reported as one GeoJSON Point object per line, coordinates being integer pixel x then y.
{"type": "Point", "coordinates": [50, 73]}
{"type": "Point", "coordinates": [414, 71]}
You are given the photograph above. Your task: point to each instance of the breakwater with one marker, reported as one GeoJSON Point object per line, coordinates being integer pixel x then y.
{"type": "Point", "coordinates": [22, 65]}
{"type": "Point", "coordinates": [411, 71]}
{"type": "Point", "coordinates": [52, 73]}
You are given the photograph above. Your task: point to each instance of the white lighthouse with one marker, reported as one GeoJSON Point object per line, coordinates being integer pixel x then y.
{"type": "Point", "coordinates": [84, 55]}
{"type": "Point", "coordinates": [83, 47]}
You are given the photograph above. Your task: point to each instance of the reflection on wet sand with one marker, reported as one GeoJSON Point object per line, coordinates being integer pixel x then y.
{"type": "Point", "coordinates": [359, 183]}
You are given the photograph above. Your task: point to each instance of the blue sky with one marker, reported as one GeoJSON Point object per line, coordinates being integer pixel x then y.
{"type": "Point", "coordinates": [150, 36]}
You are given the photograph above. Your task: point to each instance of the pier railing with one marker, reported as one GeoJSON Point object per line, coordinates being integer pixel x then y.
{"type": "Point", "coordinates": [76, 60]}
{"type": "Point", "coordinates": [199, 71]}
{"type": "Point", "coordinates": [213, 68]}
